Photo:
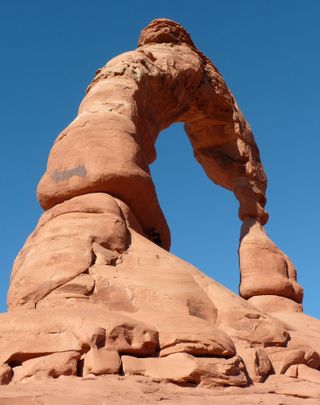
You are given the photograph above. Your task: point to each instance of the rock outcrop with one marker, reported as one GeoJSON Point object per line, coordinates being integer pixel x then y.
{"type": "Point", "coordinates": [94, 292]}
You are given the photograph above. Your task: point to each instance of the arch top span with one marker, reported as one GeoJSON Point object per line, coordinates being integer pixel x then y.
{"type": "Point", "coordinates": [109, 146]}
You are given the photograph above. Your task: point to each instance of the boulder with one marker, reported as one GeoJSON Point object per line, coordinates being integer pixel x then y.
{"type": "Point", "coordinates": [182, 368]}
{"type": "Point", "coordinates": [101, 361]}
{"type": "Point", "coordinates": [53, 365]}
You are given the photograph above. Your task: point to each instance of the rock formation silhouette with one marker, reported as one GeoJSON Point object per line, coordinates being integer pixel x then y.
{"type": "Point", "coordinates": [95, 292]}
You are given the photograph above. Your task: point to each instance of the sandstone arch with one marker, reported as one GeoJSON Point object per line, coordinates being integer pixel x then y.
{"type": "Point", "coordinates": [136, 95]}
{"type": "Point", "coordinates": [109, 146]}
{"type": "Point", "coordinates": [92, 284]}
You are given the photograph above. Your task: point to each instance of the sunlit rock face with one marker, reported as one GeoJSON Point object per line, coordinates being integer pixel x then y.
{"type": "Point", "coordinates": [95, 293]}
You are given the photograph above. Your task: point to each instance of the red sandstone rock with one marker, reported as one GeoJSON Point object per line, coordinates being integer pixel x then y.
{"type": "Point", "coordinates": [109, 146]}
{"type": "Point", "coordinates": [282, 360]}
{"type": "Point", "coordinates": [257, 363]}
{"type": "Point", "coordinates": [52, 365]}
{"type": "Point", "coordinates": [6, 374]}
{"type": "Point", "coordinates": [94, 282]}
{"type": "Point", "coordinates": [265, 270]}
{"type": "Point", "coordinates": [292, 387]}
{"type": "Point", "coordinates": [100, 361]}
{"type": "Point", "coordinates": [275, 303]}
{"type": "Point", "coordinates": [185, 369]}
{"type": "Point", "coordinates": [304, 372]}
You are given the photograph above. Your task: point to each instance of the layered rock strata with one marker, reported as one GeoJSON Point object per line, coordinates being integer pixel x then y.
{"type": "Point", "coordinates": [95, 281]}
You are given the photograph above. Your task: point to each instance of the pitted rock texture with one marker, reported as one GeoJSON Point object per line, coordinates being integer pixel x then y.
{"type": "Point", "coordinates": [94, 292]}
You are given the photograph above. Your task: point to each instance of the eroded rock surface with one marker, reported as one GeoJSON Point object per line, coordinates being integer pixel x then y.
{"type": "Point", "coordinates": [95, 293]}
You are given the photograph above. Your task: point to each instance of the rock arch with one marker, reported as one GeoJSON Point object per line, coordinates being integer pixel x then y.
{"type": "Point", "coordinates": [98, 293]}
{"type": "Point", "coordinates": [109, 146]}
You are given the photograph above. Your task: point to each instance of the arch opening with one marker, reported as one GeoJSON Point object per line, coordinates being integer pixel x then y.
{"type": "Point", "coordinates": [201, 216]}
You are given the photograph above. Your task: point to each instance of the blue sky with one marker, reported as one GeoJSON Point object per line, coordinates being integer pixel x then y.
{"type": "Point", "coordinates": [268, 53]}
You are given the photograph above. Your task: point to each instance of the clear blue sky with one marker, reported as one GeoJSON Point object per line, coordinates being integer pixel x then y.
{"type": "Point", "coordinates": [267, 51]}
